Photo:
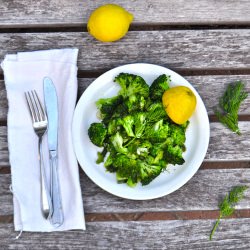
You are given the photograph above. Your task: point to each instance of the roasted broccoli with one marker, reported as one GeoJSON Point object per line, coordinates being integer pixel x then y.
{"type": "Point", "coordinates": [107, 106]}
{"type": "Point", "coordinates": [135, 132]}
{"type": "Point", "coordinates": [134, 90]}
{"type": "Point", "coordinates": [148, 172]}
{"type": "Point", "coordinates": [132, 85]}
{"type": "Point", "coordinates": [158, 87]}
{"type": "Point", "coordinates": [173, 155]}
{"type": "Point", "coordinates": [156, 112]}
{"type": "Point", "coordinates": [97, 133]}
{"type": "Point", "coordinates": [117, 141]}
{"type": "Point", "coordinates": [127, 122]}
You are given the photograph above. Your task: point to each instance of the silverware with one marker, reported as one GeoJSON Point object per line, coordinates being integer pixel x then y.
{"type": "Point", "coordinates": [39, 122]}
{"type": "Point", "coordinates": [50, 98]}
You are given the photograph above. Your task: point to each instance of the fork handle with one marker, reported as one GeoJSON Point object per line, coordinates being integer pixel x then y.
{"type": "Point", "coordinates": [57, 216]}
{"type": "Point", "coordinates": [46, 204]}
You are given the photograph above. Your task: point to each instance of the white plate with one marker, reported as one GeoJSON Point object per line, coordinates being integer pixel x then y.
{"type": "Point", "coordinates": [85, 113]}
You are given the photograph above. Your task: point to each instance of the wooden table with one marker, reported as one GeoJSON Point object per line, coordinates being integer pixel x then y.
{"type": "Point", "coordinates": [208, 42]}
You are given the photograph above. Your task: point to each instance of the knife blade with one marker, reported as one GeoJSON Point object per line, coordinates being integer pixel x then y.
{"type": "Point", "coordinates": [51, 105]}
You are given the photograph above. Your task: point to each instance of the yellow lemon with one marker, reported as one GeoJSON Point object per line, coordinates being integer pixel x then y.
{"type": "Point", "coordinates": [109, 23]}
{"type": "Point", "coordinates": [179, 103]}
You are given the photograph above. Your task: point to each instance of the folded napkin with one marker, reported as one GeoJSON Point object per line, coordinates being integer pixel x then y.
{"type": "Point", "coordinates": [22, 72]}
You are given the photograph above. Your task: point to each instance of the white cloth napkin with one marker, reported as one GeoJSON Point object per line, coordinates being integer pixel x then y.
{"type": "Point", "coordinates": [22, 72]}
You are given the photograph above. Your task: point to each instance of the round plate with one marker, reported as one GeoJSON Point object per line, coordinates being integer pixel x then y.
{"type": "Point", "coordinates": [197, 136]}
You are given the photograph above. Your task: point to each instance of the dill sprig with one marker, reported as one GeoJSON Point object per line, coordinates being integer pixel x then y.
{"type": "Point", "coordinates": [227, 206]}
{"type": "Point", "coordinates": [230, 104]}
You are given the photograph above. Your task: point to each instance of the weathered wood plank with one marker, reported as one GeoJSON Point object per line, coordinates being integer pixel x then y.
{"type": "Point", "coordinates": [193, 234]}
{"type": "Point", "coordinates": [176, 49]}
{"type": "Point", "coordinates": [64, 12]}
{"type": "Point", "coordinates": [230, 147]}
{"type": "Point", "coordinates": [210, 88]}
{"type": "Point", "coordinates": [4, 152]}
{"type": "Point", "coordinates": [227, 146]}
{"type": "Point", "coordinates": [209, 187]}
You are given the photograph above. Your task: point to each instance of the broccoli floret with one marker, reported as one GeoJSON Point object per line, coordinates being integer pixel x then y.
{"type": "Point", "coordinates": [135, 103]}
{"type": "Point", "coordinates": [144, 148]}
{"type": "Point", "coordinates": [121, 110]}
{"type": "Point", "coordinates": [132, 85]}
{"type": "Point", "coordinates": [173, 155]}
{"type": "Point", "coordinates": [159, 85]}
{"type": "Point", "coordinates": [157, 132]}
{"type": "Point", "coordinates": [113, 126]}
{"type": "Point", "coordinates": [127, 122]}
{"type": "Point", "coordinates": [106, 106]}
{"type": "Point", "coordinates": [177, 134]}
{"type": "Point", "coordinates": [148, 172]}
{"type": "Point", "coordinates": [117, 141]}
{"type": "Point", "coordinates": [127, 169]}
{"type": "Point", "coordinates": [140, 120]}
{"type": "Point", "coordinates": [156, 112]}
{"type": "Point", "coordinates": [97, 133]}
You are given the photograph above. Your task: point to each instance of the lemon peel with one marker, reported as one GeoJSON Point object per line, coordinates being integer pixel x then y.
{"type": "Point", "coordinates": [179, 103]}
{"type": "Point", "coordinates": [109, 22]}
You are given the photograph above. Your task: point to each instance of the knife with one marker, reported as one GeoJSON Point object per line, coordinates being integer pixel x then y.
{"type": "Point", "coordinates": [50, 99]}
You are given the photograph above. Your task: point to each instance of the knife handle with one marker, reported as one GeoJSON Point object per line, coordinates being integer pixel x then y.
{"type": "Point", "coordinates": [57, 217]}
{"type": "Point", "coordinates": [46, 203]}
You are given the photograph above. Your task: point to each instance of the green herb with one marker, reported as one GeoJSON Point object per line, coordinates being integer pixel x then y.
{"type": "Point", "coordinates": [230, 104]}
{"type": "Point", "coordinates": [227, 206]}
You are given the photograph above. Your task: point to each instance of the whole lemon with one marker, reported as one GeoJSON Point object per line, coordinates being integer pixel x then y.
{"type": "Point", "coordinates": [109, 22]}
{"type": "Point", "coordinates": [179, 103]}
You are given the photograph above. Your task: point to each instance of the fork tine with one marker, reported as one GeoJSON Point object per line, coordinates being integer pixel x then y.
{"type": "Point", "coordinates": [33, 105]}
{"type": "Point", "coordinates": [40, 107]}
{"type": "Point", "coordinates": [30, 106]}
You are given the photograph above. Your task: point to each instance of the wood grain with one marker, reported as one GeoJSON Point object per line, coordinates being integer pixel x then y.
{"type": "Point", "coordinates": [207, 186]}
{"type": "Point", "coordinates": [210, 88]}
{"type": "Point", "coordinates": [28, 13]}
{"type": "Point", "coordinates": [175, 49]}
{"type": "Point", "coordinates": [4, 152]}
{"type": "Point", "coordinates": [230, 147]}
{"type": "Point", "coordinates": [177, 234]}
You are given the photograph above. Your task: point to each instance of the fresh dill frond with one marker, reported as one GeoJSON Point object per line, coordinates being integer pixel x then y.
{"type": "Point", "coordinates": [229, 104]}
{"type": "Point", "coordinates": [227, 206]}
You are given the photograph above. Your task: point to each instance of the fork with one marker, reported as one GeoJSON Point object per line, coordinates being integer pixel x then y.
{"type": "Point", "coordinates": [40, 124]}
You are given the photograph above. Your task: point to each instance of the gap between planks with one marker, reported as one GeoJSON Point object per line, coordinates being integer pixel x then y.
{"type": "Point", "coordinates": [183, 72]}
{"type": "Point", "coordinates": [82, 27]}
{"type": "Point", "coordinates": [151, 216]}
{"type": "Point", "coordinates": [204, 165]}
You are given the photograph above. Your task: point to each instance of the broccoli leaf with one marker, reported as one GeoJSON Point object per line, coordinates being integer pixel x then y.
{"type": "Point", "coordinates": [158, 87]}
